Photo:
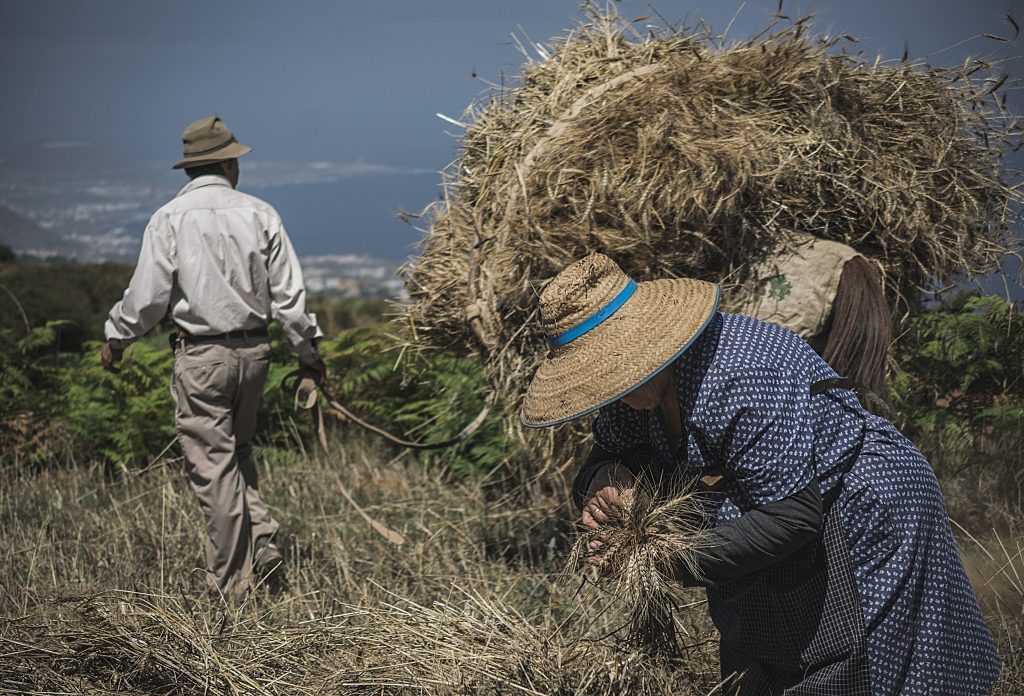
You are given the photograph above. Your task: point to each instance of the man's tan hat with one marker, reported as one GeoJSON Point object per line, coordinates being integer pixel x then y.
{"type": "Point", "coordinates": [209, 140]}
{"type": "Point", "coordinates": [608, 335]}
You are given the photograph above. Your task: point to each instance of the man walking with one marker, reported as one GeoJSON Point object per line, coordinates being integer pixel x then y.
{"type": "Point", "coordinates": [220, 263]}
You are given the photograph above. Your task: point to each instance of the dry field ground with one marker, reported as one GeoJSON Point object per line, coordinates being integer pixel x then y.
{"type": "Point", "coordinates": [100, 590]}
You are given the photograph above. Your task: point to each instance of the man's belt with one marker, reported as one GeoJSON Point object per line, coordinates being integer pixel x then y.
{"type": "Point", "coordinates": [260, 332]}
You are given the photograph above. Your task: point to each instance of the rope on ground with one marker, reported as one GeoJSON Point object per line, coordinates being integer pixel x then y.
{"type": "Point", "coordinates": [307, 393]}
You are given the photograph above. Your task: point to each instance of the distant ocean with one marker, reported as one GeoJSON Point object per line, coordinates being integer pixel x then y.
{"type": "Point", "coordinates": [357, 215]}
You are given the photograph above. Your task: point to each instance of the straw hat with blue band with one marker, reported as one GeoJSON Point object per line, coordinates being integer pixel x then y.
{"type": "Point", "coordinates": [596, 318]}
{"type": "Point", "coordinates": [608, 334]}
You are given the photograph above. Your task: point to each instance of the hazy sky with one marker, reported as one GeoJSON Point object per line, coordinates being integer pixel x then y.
{"type": "Point", "coordinates": [347, 80]}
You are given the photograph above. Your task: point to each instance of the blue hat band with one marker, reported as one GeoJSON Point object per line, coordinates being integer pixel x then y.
{"type": "Point", "coordinates": [595, 319]}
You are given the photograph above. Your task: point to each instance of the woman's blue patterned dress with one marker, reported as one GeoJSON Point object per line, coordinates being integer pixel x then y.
{"type": "Point", "coordinates": [746, 403]}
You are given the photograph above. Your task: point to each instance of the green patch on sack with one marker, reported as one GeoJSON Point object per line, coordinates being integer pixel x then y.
{"type": "Point", "coordinates": [779, 287]}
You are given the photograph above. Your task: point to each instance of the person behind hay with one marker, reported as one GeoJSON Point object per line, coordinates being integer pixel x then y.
{"type": "Point", "coordinates": [830, 295]}
{"type": "Point", "coordinates": [834, 568]}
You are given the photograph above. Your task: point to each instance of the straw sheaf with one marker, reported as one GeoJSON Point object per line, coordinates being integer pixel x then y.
{"type": "Point", "coordinates": [645, 536]}
{"type": "Point", "coordinates": [680, 156]}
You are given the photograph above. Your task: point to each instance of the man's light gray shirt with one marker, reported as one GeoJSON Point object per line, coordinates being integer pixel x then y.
{"type": "Point", "coordinates": [216, 260]}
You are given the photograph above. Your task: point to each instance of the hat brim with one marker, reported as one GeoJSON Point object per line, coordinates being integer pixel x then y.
{"type": "Point", "coordinates": [654, 327]}
{"type": "Point", "coordinates": [232, 150]}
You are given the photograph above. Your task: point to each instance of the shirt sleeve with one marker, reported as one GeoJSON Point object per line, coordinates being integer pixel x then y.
{"type": "Point", "coordinates": [145, 301]}
{"type": "Point", "coordinates": [288, 294]}
{"type": "Point", "coordinates": [759, 425]}
{"type": "Point", "coordinates": [759, 538]}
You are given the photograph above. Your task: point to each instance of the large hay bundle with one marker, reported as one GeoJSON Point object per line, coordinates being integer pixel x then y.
{"type": "Point", "coordinates": [677, 155]}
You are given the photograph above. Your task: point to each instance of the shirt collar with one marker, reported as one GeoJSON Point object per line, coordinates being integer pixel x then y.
{"type": "Point", "coordinates": [201, 181]}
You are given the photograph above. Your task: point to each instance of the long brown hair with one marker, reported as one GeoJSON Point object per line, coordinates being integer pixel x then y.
{"type": "Point", "coordinates": [859, 330]}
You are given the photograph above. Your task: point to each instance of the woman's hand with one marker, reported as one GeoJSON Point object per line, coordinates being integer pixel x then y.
{"type": "Point", "coordinates": [610, 485]}
{"type": "Point", "coordinates": [606, 489]}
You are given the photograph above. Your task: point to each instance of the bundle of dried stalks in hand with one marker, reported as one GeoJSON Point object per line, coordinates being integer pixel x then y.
{"type": "Point", "coordinates": [642, 542]}
{"type": "Point", "coordinates": [678, 154]}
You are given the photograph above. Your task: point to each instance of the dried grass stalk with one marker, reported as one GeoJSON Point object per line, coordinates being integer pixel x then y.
{"type": "Point", "coordinates": [676, 154]}
{"type": "Point", "coordinates": [467, 644]}
{"type": "Point", "coordinates": [642, 541]}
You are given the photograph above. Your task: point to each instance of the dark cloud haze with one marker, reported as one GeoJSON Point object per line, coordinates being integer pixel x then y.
{"type": "Point", "coordinates": [343, 80]}
{"type": "Point", "coordinates": [353, 81]}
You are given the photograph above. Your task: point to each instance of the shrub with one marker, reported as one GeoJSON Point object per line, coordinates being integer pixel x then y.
{"type": "Point", "coordinates": [959, 386]}
{"type": "Point", "coordinates": [425, 395]}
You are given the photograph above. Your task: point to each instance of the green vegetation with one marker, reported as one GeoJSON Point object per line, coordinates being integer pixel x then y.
{"type": "Point", "coordinates": [62, 406]}
{"type": "Point", "coordinates": [959, 389]}
{"type": "Point", "coordinates": [335, 315]}
{"type": "Point", "coordinates": [78, 294]}
{"type": "Point", "coordinates": [59, 405]}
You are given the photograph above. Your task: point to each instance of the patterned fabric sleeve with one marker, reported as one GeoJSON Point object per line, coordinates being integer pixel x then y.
{"type": "Point", "coordinates": [581, 484]}
{"type": "Point", "coordinates": [618, 429]}
{"type": "Point", "coordinates": [758, 422]}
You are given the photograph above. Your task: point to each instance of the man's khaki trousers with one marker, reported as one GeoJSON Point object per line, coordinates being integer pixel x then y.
{"type": "Point", "coordinates": [218, 386]}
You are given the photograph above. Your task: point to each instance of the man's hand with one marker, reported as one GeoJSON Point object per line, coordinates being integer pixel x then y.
{"type": "Point", "coordinates": [316, 367]}
{"type": "Point", "coordinates": [110, 355]}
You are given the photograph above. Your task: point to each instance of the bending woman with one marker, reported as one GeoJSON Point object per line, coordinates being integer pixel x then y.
{"type": "Point", "coordinates": [835, 569]}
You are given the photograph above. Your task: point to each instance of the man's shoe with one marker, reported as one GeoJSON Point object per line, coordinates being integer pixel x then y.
{"type": "Point", "coordinates": [268, 561]}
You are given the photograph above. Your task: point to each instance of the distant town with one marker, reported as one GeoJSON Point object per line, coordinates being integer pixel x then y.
{"type": "Point", "coordinates": [346, 275]}
{"type": "Point", "coordinates": [58, 205]}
